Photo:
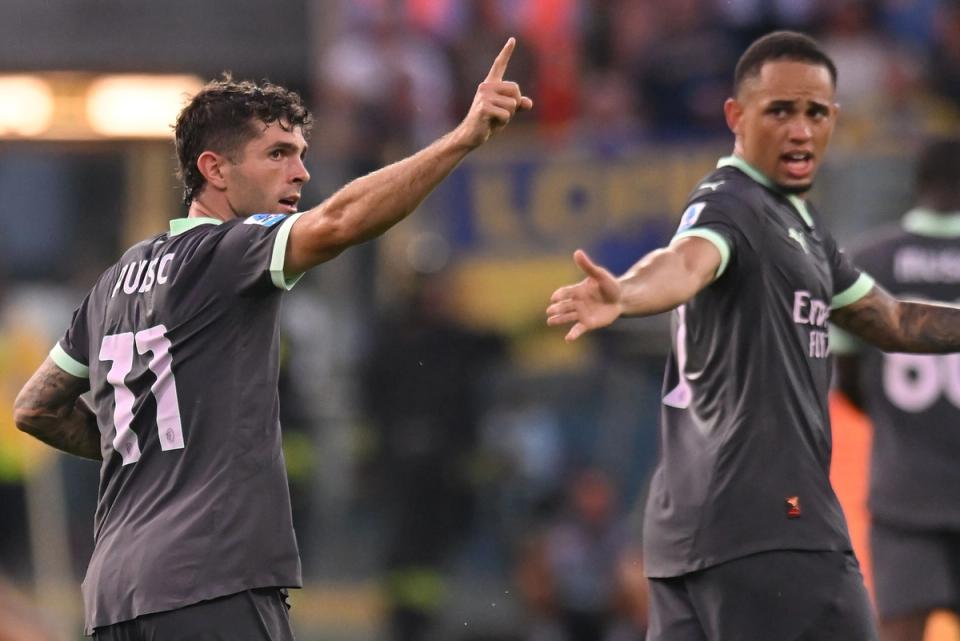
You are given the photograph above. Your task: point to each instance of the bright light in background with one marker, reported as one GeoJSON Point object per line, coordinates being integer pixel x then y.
{"type": "Point", "coordinates": [26, 106]}
{"type": "Point", "coordinates": [133, 106]}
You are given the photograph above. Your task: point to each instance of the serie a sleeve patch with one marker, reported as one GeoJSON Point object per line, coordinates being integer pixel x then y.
{"type": "Point", "coordinates": [267, 220]}
{"type": "Point", "coordinates": [690, 216]}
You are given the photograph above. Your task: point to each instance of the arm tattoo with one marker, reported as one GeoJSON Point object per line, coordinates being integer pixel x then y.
{"type": "Point", "coordinates": [901, 326]}
{"type": "Point", "coordinates": [49, 408]}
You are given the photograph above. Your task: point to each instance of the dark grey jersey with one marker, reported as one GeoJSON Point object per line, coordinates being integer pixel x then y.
{"type": "Point", "coordinates": [914, 400]}
{"type": "Point", "coordinates": [180, 342]}
{"type": "Point", "coordinates": [745, 430]}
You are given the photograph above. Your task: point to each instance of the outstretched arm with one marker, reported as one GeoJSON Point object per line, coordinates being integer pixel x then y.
{"type": "Point", "coordinates": [49, 408]}
{"type": "Point", "coordinates": [368, 206]}
{"type": "Point", "coordinates": [662, 280]}
{"type": "Point", "coordinates": [895, 325]}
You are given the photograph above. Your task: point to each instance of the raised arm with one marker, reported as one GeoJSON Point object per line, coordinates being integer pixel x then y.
{"type": "Point", "coordinates": [895, 325]}
{"type": "Point", "coordinates": [368, 206]}
{"type": "Point", "coordinates": [660, 281]}
{"type": "Point", "coordinates": [49, 408]}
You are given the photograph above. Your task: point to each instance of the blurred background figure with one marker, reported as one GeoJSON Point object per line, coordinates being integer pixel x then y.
{"type": "Point", "coordinates": [19, 620]}
{"type": "Point", "coordinates": [914, 406]}
{"type": "Point", "coordinates": [423, 383]}
{"type": "Point", "coordinates": [579, 575]}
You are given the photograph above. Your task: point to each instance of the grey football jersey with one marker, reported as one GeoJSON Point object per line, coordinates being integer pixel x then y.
{"type": "Point", "coordinates": [180, 342]}
{"type": "Point", "coordinates": [745, 431]}
{"type": "Point", "coordinates": [913, 399]}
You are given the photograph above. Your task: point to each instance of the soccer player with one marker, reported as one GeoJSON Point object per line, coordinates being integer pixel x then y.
{"type": "Point", "coordinates": [743, 535]}
{"type": "Point", "coordinates": [178, 344]}
{"type": "Point", "coordinates": [914, 404]}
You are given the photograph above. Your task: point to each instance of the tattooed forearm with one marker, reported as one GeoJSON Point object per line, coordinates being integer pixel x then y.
{"type": "Point", "coordinates": [49, 408]}
{"type": "Point", "coordinates": [901, 326]}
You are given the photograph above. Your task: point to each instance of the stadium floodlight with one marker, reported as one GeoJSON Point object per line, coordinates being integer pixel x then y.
{"type": "Point", "coordinates": [137, 106]}
{"type": "Point", "coordinates": [26, 106]}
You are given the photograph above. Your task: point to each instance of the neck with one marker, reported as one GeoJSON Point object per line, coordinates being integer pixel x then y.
{"type": "Point", "coordinates": [202, 207]}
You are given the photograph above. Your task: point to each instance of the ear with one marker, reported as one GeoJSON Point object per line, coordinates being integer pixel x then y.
{"type": "Point", "coordinates": [733, 112]}
{"type": "Point", "coordinates": [213, 167]}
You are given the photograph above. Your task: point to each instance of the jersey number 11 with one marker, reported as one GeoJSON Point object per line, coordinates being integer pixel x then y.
{"type": "Point", "coordinates": [118, 348]}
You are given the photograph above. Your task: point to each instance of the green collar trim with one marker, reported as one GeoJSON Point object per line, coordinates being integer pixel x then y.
{"type": "Point", "coordinates": [928, 222]}
{"type": "Point", "coordinates": [798, 203]}
{"type": "Point", "coordinates": [180, 225]}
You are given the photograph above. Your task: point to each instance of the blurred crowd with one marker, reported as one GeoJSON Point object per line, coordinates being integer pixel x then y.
{"type": "Point", "coordinates": [612, 71]}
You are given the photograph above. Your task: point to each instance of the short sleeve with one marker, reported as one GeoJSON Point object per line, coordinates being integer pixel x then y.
{"type": "Point", "coordinates": [72, 351]}
{"type": "Point", "coordinates": [849, 283]}
{"type": "Point", "coordinates": [712, 220]}
{"type": "Point", "coordinates": [253, 252]}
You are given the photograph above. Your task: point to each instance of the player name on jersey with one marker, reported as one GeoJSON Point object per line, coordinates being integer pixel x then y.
{"type": "Point", "coordinates": [912, 264]}
{"type": "Point", "coordinates": [140, 277]}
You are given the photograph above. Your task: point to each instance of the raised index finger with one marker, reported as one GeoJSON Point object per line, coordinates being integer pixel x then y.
{"type": "Point", "coordinates": [500, 63]}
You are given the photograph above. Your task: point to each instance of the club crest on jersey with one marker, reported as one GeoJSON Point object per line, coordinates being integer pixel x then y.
{"type": "Point", "coordinates": [690, 216]}
{"type": "Point", "coordinates": [267, 220]}
{"type": "Point", "coordinates": [793, 507]}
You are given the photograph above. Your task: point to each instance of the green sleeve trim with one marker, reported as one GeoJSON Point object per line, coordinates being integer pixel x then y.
{"type": "Point", "coordinates": [280, 255]}
{"type": "Point", "coordinates": [843, 343]}
{"type": "Point", "coordinates": [717, 240]}
{"type": "Point", "coordinates": [852, 294]}
{"type": "Point", "coordinates": [68, 363]}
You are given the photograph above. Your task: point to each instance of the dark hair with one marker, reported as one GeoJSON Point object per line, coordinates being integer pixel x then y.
{"type": "Point", "coordinates": [938, 167]}
{"type": "Point", "coordinates": [780, 45]}
{"type": "Point", "coordinates": [222, 117]}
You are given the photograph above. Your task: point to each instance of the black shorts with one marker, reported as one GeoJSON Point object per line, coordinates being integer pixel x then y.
{"type": "Point", "coordinates": [253, 615]}
{"type": "Point", "coordinates": [784, 595]}
{"type": "Point", "coordinates": [914, 571]}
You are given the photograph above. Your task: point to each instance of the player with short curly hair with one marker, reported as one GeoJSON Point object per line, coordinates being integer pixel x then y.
{"type": "Point", "coordinates": [178, 344]}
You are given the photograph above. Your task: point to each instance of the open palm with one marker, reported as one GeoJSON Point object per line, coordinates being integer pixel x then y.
{"type": "Point", "coordinates": [593, 302]}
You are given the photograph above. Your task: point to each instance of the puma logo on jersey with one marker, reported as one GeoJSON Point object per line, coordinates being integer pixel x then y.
{"type": "Point", "coordinates": [140, 277]}
{"type": "Point", "coordinates": [711, 186]}
{"type": "Point", "coordinates": [798, 236]}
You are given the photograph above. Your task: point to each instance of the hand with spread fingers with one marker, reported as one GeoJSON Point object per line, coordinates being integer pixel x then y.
{"type": "Point", "coordinates": [592, 303]}
{"type": "Point", "coordinates": [495, 102]}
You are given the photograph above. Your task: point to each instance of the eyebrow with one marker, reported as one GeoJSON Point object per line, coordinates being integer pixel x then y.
{"type": "Point", "coordinates": [288, 146]}
{"type": "Point", "coordinates": [790, 104]}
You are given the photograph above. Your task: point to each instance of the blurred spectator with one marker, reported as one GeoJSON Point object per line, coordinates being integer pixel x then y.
{"type": "Point", "coordinates": [22, 344]}
{"type": "Point", "coordinates": [747, 20]}
{"type": "Point", "coordinates": [19, 620]}
{"type": "Point", "coordinates": [608, 123]}
{"type": "Point", "coordinates": [685, 73]}
{"type": "Point", "coordinates": [422, 384]}
{"type": "Point", "coordinates": [945, 52]}
{"type": "Point", "coordinates": [909, 22]}
{"type": "Point", "coordinates": [580, 577]}
{"type": "Point", "coordinates": [860, 53]}
{"type": "Point", "coordinates": [487, 25]}
{"type": "Point", "coordinates": [553, 29]}
{"type": "Point", "coordinates": [387, 88]}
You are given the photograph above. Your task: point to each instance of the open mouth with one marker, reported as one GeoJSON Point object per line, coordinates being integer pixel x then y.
{"type": "Point", "coordinates": [290, 203]}
{"type": "Point", "coordinates": [799, 164]}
